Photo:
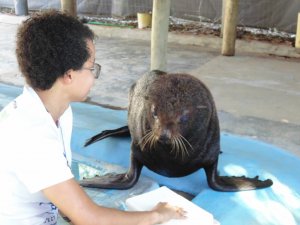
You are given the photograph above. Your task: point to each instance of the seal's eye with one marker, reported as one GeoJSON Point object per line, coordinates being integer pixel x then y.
{"type": "Point", "coordinates": [154, 114]}
{"type": "Point", "coordinates": [154, 111]}
{"type": "Point", "coordinates": [184, 118]}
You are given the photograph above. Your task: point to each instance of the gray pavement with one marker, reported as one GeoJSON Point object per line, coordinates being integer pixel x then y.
{"type": "Point", "coordinates": [257, 95]}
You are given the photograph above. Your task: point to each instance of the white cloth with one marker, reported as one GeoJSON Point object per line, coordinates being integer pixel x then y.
{"type": "Point", "coordinates": [32, 150]}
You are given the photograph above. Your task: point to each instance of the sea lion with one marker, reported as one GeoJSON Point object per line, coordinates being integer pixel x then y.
{"type": "Point", "coordinates": [174, 127]}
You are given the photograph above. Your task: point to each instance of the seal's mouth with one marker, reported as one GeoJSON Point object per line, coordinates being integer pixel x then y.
{"type": "Point", "coordinates": [166, 143]}
{"type": "Point", "coordinates": [179, 146]}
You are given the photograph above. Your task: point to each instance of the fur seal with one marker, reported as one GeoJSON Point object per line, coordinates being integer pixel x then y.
{"type": "Point", "coordinates": [174, 127]}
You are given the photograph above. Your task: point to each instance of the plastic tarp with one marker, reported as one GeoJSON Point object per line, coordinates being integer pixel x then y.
{"type": "Point", "coordinates": [275, 14]}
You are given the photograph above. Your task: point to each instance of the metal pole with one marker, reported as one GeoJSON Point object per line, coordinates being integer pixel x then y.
{"type": "Point", "coordinates": [21, 7]}
{"type": "Point", "coordinates": [159, 34]}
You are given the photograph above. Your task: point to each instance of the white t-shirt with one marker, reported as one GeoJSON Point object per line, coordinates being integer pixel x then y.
{"type": "Point", "coordinates": [34, 154]}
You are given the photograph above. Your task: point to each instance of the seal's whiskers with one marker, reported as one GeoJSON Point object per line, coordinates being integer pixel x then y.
{"type": "Point", "coordinates": [152, 141]}
{"type": "Point", "coordinates": [183, 149]}
{"type": "Point", "coordinates": [175, 146]}
{"type": "Point", "coordinates": [179, 146]}
{"type": "Point", "coordinates": [186, 141]}
{"type": "Point", "coordinates": [143, 142]}
{"type": "Point", "coordinates": [148, 138]}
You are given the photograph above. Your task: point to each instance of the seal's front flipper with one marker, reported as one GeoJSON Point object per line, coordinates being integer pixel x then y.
{"type": "Point", "coordinates": [115, 181]}
{"type": "Point", "coordinates": [120, 132]}
{"type": "Point", "coordinates": [232, 183]}
{"type": "Point", "coordinates": [108, 181]}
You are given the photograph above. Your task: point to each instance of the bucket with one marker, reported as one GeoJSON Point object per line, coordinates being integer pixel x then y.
{"type": "Point", "coordinates": [144, 20]}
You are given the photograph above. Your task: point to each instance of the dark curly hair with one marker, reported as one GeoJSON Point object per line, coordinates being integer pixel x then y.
{"type": "Point", "coordinates": [48, 45]}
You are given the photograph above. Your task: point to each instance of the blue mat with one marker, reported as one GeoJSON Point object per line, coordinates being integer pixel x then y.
{"type": "Point", "coordinates": [278, 205]}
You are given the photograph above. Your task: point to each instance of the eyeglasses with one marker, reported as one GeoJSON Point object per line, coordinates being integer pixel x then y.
{"type": "Point", "coordinates": [95, 70]}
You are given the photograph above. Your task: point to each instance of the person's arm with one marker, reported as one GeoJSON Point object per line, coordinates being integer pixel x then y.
{"type": "Point", "coordinates": [71, 199]}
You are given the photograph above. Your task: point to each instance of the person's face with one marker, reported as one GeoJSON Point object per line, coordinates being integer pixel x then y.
{"type": "Point", "coordinates": [84, 78]}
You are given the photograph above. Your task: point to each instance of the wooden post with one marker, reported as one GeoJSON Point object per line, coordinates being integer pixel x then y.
{"type": "Point", "coordinates": [297, 43]}
{"type": "Point", "coordinates": [230, 23]}
{"type": "Point", "coordinates": [222, 18]}
{"type": "Point", "coordinates": [159, 34]}
{"type": "Point", "coordinates": [69, 6]}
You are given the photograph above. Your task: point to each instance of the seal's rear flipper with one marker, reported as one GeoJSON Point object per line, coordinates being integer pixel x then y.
{"type": "Point", "coordinates": [232, 183]}
{"type": "Point", "coordinates": [119, 132]}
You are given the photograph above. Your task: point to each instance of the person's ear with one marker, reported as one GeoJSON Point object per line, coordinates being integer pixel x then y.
{"type": "Point", "coordinates": [68, 76]}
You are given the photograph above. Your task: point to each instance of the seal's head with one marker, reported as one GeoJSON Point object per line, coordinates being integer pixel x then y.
{"type": "Point", "coordinates": [176, 110]}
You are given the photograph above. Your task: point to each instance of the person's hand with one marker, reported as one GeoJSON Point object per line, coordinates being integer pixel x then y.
{"type": "Point", "coordinates": [167, 212]}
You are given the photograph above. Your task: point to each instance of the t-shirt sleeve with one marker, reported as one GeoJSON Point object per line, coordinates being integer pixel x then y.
{"type": "Point", "coordinates": [42, 165]}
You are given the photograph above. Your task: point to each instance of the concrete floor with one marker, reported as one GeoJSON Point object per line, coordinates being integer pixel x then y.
{"type": "Point", "coordinates": [256, 95]}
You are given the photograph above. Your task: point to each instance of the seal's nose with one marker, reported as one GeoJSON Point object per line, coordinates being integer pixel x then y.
{"type": "Point", "coordinates": [165, 136]}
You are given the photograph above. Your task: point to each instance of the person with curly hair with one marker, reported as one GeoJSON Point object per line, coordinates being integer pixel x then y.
{"type": "Point", "coordinates": [56, 55]}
